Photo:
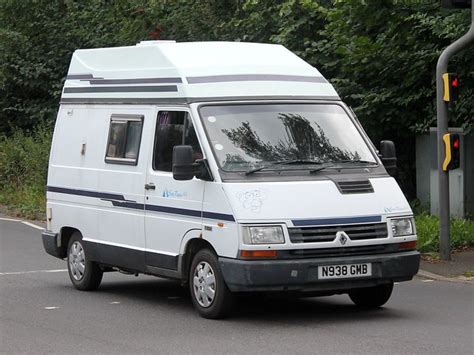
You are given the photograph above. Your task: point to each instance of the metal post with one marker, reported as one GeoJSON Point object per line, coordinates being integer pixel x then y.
{"type": "Point", "coordinates": [442, 119]}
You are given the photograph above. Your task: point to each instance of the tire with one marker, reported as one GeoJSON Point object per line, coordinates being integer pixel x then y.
{"type": "Point", "coordinates": [85, 275]}
{"type": "Point", "coordinates": [210, 295]}
{"type": "Point", "coordinates": [371, 297]}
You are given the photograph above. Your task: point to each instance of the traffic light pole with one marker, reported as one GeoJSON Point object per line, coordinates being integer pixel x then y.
{"type": "Point", "coordinates": [442, 120]}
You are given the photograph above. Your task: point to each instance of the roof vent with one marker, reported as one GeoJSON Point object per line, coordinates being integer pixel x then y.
{"type": "Point", "coordinates": [354, 187]}
{"type": "Point", "coordinates": [154, 42]}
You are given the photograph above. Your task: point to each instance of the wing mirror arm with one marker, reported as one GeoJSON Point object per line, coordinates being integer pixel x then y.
{"type": "Point", "coordinates": [202, 170]}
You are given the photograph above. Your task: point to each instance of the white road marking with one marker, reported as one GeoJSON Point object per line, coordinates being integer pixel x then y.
{"type": "Point", "coordinates": [51, 308]}
{"type": "Point", "coordinates": [24, 222]}
{"type": "Point", "coordinates": [9, 219]}
{"type": "Point", "coordinates": [115, 302]}
{"type": "Point", "coordinates": [32, 272]}
{"type": "Point", "coordinates": [427, 280]}
{"type": "Point", "coordinates": [32, 225]}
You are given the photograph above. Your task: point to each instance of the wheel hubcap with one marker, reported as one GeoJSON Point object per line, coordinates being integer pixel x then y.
{"type": "Point", "coordinates": [204, 284]}
{"type": "Point", "coordinates": [77, 261]}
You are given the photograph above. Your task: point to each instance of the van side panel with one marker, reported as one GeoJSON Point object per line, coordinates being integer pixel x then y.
{"type": "Point", "coordinates": [86, 193]}
{"type": "Point", "coordinates": [223, 233]}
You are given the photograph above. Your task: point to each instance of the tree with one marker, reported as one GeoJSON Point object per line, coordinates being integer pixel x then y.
{"type": "Point", "coordinates": [380, 55]}
{"type": "Point", "coordinates": [37, 39]}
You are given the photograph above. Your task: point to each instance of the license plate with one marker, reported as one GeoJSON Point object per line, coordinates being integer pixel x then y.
{"type": "Point", "coordinates": [344, 271]}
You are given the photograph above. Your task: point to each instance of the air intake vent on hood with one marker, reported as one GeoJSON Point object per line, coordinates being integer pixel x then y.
{"type": "Point", "coordinates": [354, 187]}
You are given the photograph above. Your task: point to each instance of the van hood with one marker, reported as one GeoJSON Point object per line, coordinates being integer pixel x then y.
{"type": "Point", "coordinates": [290, 201]}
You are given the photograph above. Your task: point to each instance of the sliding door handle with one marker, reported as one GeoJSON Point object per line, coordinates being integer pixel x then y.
{"type": "Point", "coordinates": [150, 186]}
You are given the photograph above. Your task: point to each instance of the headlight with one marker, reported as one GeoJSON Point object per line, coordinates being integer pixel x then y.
{"type": "Point", "coordinates": [402, 227]}
{"type": "Point", "coordinates": [263, 235]}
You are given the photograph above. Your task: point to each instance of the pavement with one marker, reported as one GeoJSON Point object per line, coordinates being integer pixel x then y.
{"type": "Point", "coordinates": [460, 265]}
{"type": "Point", "coordinates": [40, 312]}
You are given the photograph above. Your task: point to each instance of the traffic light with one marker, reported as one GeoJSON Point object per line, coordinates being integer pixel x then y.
{"type": "Point", "coordinates": [456, 4]}
{"type": "Point", "coordinates": [451, 148]}
{"type": "Point", "coordinates": [451, 87]}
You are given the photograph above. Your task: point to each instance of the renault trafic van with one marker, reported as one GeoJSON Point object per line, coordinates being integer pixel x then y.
{"type": "Point", "coordinates": [233, 167]}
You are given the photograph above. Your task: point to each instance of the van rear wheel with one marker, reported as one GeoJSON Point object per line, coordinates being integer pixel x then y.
{"type": "Point", "coordinates": [85, 274]}
{"type": "Point", "coordinates": [372, 297]}
{"type": "Point", "coordinates": [209, 293]}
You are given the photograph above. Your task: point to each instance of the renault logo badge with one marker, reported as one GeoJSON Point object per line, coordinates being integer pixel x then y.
{"type": "Point", "coordinates": [343, 237]}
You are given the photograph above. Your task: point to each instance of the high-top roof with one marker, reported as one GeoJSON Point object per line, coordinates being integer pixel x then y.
{"type": "Point", "coordinates": [166, 71]}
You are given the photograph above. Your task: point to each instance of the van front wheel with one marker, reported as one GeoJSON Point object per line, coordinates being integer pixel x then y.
{"type": "Point", "coordinates": [371, 297]}
{"type": "Point", "coordinates": [85, 274]}
{"type": "Point", "coordinates": [209, 293]}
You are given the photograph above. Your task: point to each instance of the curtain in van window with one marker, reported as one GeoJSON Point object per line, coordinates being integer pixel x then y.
{"type": "Point", "coordinates": [133, 139]}
{"type": "Point", "coordinates": [116, 139]}
{"type": "Point", "coordinates": [164, 117]}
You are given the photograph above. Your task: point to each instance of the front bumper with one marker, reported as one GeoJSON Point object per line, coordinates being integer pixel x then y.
{"type": "Point", "coordinates": [302, 274]}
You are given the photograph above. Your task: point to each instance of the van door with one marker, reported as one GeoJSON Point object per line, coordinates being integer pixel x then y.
{"type": "Point", "coordinates": [172, 208]}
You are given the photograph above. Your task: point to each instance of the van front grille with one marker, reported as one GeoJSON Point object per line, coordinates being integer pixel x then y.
{"type": "Point", "coordinates": [344, 251]}
{"type": "Point", "coordinates": [328, 233]}
{"type": "Point", "coordinates": [354, 187]}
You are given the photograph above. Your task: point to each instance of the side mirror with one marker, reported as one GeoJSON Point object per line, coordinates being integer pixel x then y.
{"type": "Point", "coordinates": [388, 155]}
{"type": "Point", "coordinates": [183, 167]}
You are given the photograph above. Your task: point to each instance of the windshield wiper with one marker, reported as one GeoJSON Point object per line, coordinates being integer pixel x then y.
{"type": "Point", "coordinates": [330, 164]}
{"type": "Point", "coordinates": [357, 161]}
{"type": "Point", "coordinates": [284, 162]}
{"type": "Point", "coordinates": [322, 167]}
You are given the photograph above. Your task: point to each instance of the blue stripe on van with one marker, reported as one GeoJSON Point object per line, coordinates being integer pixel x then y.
{"type": "Point", "coordinates": [329, 221]}
{"type": "Point", "coordinates": [120, 201]}
{"type": "Point", "coordinates": [147, 88]}
{"type": "Point", "coordinates": [254, 77]}
{"type": "Point", "coordinates": [173, 210]}
{"type": "Point", "coordinates": [105, 195]}
{"type": "Point", "coordinates": [219, 216]}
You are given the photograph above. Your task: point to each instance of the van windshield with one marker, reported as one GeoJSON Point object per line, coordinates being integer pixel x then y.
{"type": "Point", "coordinates": [250, 136]}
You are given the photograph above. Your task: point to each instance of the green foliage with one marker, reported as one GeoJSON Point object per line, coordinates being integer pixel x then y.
{"type": "Point", "coordinates": [37, 39]}
{"type": "Point", "coordinates": [188, 20]}
{"type": "Point", "coordinates": [427, 227]}
{"type": "Point", "coordinates": [380, 55]}
{"type": "Point", "coordinates": [23, 170]}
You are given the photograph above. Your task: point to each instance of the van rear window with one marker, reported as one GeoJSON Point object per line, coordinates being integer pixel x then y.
{"type": "Point", "coordinates": [123, 144]}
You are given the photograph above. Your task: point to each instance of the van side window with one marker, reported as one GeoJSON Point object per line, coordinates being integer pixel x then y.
{"type": "Point", "coordinates": [173, 128]}
{"type": "Point", "coordinates": [125, 135]}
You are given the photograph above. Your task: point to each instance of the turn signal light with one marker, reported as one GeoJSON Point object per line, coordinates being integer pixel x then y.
{"type": "Point", "coordinates": [254, 254]}
{"type": "Point", "coordinates": [408, 245]}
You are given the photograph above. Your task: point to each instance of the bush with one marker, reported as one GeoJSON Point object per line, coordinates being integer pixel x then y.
{"type": "Point", "coordinates": [23, 170]}
{"type": "Point", "coordinates": [427, 227]}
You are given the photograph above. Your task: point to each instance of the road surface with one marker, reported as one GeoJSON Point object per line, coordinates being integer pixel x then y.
{"type": "Point", "coordinates": [40, 312]}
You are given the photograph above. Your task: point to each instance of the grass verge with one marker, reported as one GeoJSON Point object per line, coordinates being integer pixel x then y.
{"type": "Point", "coordinates": [427, 227]}
{"type": "Point", "coordinates": [23, 170]}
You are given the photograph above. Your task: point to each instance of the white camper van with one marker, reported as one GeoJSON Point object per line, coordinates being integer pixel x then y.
{"type": "Point", "coordinates": [233, 167]}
